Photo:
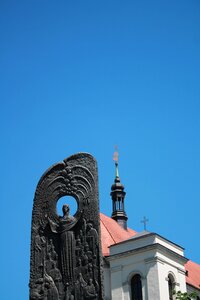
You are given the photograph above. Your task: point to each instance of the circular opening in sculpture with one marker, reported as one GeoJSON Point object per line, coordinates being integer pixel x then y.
{"type": "Point", "coordinates": [67, 200]}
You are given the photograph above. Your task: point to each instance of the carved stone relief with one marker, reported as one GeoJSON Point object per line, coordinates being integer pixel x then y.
{"type": "Point", "coordinates": [66, 261]}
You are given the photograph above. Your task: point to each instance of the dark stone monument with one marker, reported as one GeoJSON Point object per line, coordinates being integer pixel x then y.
{"type": "Point", "coordinates": [66, 261]}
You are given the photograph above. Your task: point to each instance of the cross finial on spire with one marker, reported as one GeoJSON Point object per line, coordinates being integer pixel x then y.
{"type": "Point", "coordinates": [116, 159]}
{"type": "Point", "coordinates": [116, 155]}
{"type": "Point", "coordinates": [145, 220]}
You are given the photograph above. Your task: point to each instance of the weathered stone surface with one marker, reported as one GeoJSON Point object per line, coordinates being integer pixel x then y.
{"type": "Point", "coordinates": [66, 261]}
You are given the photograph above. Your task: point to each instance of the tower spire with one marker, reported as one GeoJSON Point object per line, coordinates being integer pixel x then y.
{"type": "Point", "coordinates": [118, 195]}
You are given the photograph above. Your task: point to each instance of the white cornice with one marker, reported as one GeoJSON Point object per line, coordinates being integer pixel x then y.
{"type": "Point", "coordinates": [164, 250]}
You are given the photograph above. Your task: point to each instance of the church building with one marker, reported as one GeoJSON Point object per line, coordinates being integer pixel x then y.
{"type": "Point", "coordinates": [145, 265]}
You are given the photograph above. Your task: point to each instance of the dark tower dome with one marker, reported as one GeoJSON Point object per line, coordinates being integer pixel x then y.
{"type": "Point", "coordinates": [118, 196]}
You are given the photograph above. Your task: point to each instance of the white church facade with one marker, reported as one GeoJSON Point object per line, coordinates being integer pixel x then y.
{"type": "Point", "coordinates": [142, 266]}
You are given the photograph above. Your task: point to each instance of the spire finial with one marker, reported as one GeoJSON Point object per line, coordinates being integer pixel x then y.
{"type": "Point", "coordinates": [116, 159]}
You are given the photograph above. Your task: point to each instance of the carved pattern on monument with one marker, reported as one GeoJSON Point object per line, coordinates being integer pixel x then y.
{"type": "Point", "coordinates": [66, 261]}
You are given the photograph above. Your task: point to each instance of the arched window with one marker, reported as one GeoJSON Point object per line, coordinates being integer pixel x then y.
{"type": "Point", "coordinates": [171, 286]}
{"type": "Point", "coordinates": [136, 287]}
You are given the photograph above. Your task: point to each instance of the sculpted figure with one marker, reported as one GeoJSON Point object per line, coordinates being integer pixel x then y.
{"type": "Point", "coordinates": [39, 244]}
{"type": "Point", "coordinates": [52, 292]}
{"type": "Point", "coordinates": [80, 286]}
{"type": "Point", "coordinates": [92, 237]}
{"type": "Point", "coordinates": [67, 245]}
{"type": "Point", "coordinates": [55, 274]}
{"type": "Point", "coordinates": [51, 250]}
{"type": "Point", "coordinates": [37, 291]}
{"type": "Point", "coordinates": [90, 291]}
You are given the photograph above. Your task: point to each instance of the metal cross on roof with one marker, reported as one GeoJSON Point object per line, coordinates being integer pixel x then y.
{"type": "Point", "coordinates": [145, 220]}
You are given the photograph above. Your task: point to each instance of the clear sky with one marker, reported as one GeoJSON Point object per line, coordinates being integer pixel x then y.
{"type": "Point", "coordinates": [87, 75]}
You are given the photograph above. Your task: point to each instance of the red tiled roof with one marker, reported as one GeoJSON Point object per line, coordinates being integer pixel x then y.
{"type": "Point", "coordinates": [112, 233]}
{"type": "Point", "coordinates": [193, 277]}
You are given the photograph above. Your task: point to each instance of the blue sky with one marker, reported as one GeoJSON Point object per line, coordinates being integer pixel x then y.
{"type": "Point", "coordinates": [87, 75]}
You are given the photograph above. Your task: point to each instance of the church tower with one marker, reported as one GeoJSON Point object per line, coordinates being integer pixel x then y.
{"type": "Point", "coordinates": [118, 196]}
